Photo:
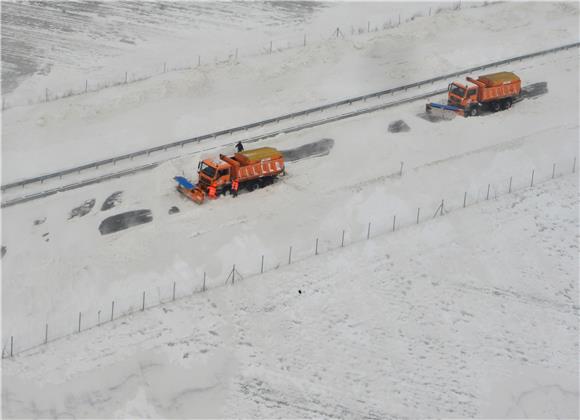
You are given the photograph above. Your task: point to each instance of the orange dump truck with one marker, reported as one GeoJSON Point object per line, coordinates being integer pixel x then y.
{"type": "Point", "coordinates": [251, 169]}
{"type": "Point", "coordinates": [493, 91]}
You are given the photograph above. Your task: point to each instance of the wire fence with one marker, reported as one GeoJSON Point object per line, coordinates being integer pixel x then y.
{"type": "Point", "coordinates": [66, 325]}
{"type": "Point", "coordinates": [229, 57]}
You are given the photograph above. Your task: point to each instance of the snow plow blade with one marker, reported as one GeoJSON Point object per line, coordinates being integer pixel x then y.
{"type": "Point", "coordinates": [443, 111]}
{"type": "Point", "coordinates": [189, 190]}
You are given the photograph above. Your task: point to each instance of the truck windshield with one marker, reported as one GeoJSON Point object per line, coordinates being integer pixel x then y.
{"type": "Point", "coordinates": [207, 170]}
{"type": "Point", "coordinates": [456, 90]}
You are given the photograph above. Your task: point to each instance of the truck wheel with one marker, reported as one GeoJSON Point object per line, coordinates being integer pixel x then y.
{"type": "Point", "coordinates": [507, 104]}
{"type": "Point", "coordinates": [474, 111]}
{"type": "Point", "coordinates": [495, 106]}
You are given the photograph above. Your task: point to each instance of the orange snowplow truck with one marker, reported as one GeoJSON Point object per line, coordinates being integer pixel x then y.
{"type": "Point", "coordinates": [492, 91]}
{"type": "Point", "coordinates": [248, 170]}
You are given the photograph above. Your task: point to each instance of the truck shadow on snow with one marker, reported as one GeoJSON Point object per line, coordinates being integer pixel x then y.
{"type": "Point", "coordinates": [124, 221]}
{"type": "Point", "coordinates": [314, 149]}
{"type": "Point", "coordinates": [531, 91]}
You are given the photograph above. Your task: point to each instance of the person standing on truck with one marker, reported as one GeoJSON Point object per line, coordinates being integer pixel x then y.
{"type": "Point", "coordinates": [235, 185]}
{"type": "Point", "coordinates": [240, 147]}
{"type": "Point", "coordinates": [212, 191]}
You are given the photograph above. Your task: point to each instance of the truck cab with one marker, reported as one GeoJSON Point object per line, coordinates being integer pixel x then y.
{"type": "Point", "coordinates": [461, 95]}
{"type": "Point", "coordinates": [210, 172]}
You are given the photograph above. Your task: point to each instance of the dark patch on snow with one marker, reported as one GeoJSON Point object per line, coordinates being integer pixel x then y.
{"type": "Point", "coordinates": [4, 249]}
{"type": "Point", "coordinates": [112, 201]}
{"type": "Point", "coordinates": [174, 210]}
{"type": "Point", "coordinates": [83, 209]}
{"type": "Point", "coordinates": [44, 234]}
{"type": "Point", "coordinates": [398, 127]}
{"type": "Point", "coordinates": [534, 90]}
{"type": "Point", "coordinates": [124, 221]}
{"type": "Point", "coordinates": [39, 221]}
{"type": "Point", "coordinates": [436, 116]}
{"type": "Point", "coordinates": [317, 148]}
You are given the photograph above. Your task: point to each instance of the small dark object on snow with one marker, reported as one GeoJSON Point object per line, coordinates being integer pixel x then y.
{"type": "Point", "coordinates": [4, 249]}
{"type": "Point", "coordinates": [125, 220]}
{"type": "Point", "coordinates": [239, 147]}
{"type": "Point", "coordinates": [83, 209]}
{"type": "Point", "coordinates": [173, 210]}
{"type": "Point", "coordinates": [112, 201]}
{"type": "Point", "coordinates": [44, 234]}
{"type": "Point", "coordinates": [299, 291]}
{"type": "Point", "coordinates": [39, 221]}
{"type": "Point", "coordinates": [398, 127]}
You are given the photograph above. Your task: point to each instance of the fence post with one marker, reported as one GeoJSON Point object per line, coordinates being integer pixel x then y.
{"type": "Point", "coordinates": [487, 197]}
{"type": "Point", "coordinates": [369, 231]}
{"type": "Point", "coordinates": [304, 39]}
{"type": "Point", "coordinates": [553, 170]}
{"type": "Point", "coordinates": [464, 199]}
{"type": "Point", "coordinates": [342, 240]}
{"type": "Point", "coordinates": [262, 266]}
{"type": "Point", "coordinates": [173, 290]}
{"type": "Point", "coordinates": [86, 85]}
{"type": "Point", "coordinates": [399, 18]}
{"type": "Point", "coordinates": [198, 60]}
{"type": "Point", "coordinates": [510, 187]}
{"type": "Point", "coordinates": [203, 287]}
{"type": "Point", "coordinates": [125, 77]}
{"type": "Point", "coordinates": [11, 346]}
{"type": "Point", "coordinates": [442, 204]}
{"type": "Point", "coordinates": [233, 274]}
{"type": "Point", "coordinates": [164, 67]}
{"type": "Point", "coordinates": [316, 248]}
{"type": "Point", "coordinates": [401, 171]}
{"type": "Point", "coordinates": [574, 166]}
{"type": "Point", "coordinates": [532, 181]}
{"type": "Point", "coordinates": [270, 47]}
{"type": "Point", "coordinates": [418, 211]}
{"type": "Point", "coordinates": [290, 256]}
{"type": "Point", "coordinates": [99, 318]}
{"type": "Point", "coordinates": [46, 333]}
{"type": "Point", "coordinates": [46, 94]}
{"type": "Point", "coordinates": [112, 309]}
{"type": "Point", "coordinates": [79, 322]}
{"type": "Point", "coordinates": [369, 26]}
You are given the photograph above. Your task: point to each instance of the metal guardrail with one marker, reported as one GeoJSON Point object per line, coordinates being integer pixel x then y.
{"type": "Point", "coordinates": [348, 101]}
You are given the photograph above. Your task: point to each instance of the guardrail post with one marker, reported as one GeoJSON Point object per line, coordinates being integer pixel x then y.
{"type": "Point", "coordinates": [316, 247]}
{"type": "Point", "coordinates": [233, 274]}
{"type": "Point", "coordinates": [342, 240]}
{"type": "Point", "coordinates": [143, 305]}
{"type": "Point", "coordinates": [488, 186]}
{"type": "Point", "coordinates": [11, 346]}
{"type": "Point", "coordinates": [418, 211]}
{"type": "Point", "coordinates": [290, 256]}
{"type": "Point", "coordinates": [112, 309]}
{"type": "Point", "coordinates": [553, 170]}
{"type": "Point", "coordinates": [173, 290]}
{"type": "Point", "coordinates": [79, 322]}
{"type": "Point", "coordinates": [442, 205]}
{"type": "Point", "coordinates": [401, 171]}
{"type": "Point", "coordinates": [99, 318]}
{"type": "Point", "coordinates": [532, 181]}
{"type": "Point", "coordinates": [394, 221]}
{"type": "Point", "coordinates": [574, 166]}
{"type": "Point", "coordinates": [262, 266]}
{"type": "Point", "coordinates": [369, 231]}
{"type": "Point", "coordinates": [46, 333]}
{"type": "Point", "coordinates": [464, 199]}
{"type": "Point", "coordinates": [203, 287]}
{"type": "Point", "coordinates": [510, 187]}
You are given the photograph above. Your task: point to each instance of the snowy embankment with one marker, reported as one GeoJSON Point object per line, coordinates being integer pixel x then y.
{"type": "Point", "coordinates": [182, 105]}
{"type": "Point", "coordinates": [474, 314]}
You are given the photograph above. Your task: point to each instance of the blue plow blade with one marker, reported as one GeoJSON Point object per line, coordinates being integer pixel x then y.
{"type": "Point", "coordinates": [445, 107]}
{"type": "Point", "coordinates": [184, 182]}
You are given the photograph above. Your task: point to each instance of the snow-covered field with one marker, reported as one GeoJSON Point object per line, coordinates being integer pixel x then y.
{"type": "Point", "coordinates": [472, 314]}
